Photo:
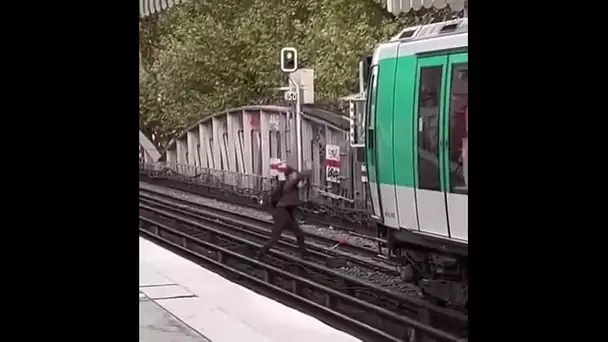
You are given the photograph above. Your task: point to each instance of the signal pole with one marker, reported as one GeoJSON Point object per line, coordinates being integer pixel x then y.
{"type": "Point", "coordinates": [289, 64]}
{"type": "Point", "coordinates": [298, 119]}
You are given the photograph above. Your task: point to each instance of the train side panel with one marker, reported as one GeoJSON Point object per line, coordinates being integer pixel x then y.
{"type": "Point", "coordinates": [456, 136]}
{"type": "Point", "coordinates": [415, 149]}
{"type": "Point", "coordinates": [403, 140]}
{"type": "Point", "coordinates": [429, 168]}
{"type": "Point", "coordinates": [385, 149]}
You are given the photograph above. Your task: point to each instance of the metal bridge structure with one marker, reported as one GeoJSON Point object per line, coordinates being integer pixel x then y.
{"type": "Point", "coordinates": [148, 153]}
{"type": "Point", "coordinates": [398, 6]}
{"type": "Point", "coordinates": [150, 7]}
{"type": "Point", "coordinates": [257, 141]}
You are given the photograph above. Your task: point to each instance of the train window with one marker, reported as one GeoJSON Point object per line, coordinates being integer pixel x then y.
{"type": "Point", "coordinates": [371, 110]}
{"type": "Point", "coordinates": [428, 128]}
{"type": "Point", "coordinates": [371, 99]}
{"type": "Point", "coordinates": [459, 122]}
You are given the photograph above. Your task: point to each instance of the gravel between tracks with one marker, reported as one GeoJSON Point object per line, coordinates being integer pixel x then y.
{"type": "Point", "coordinates": [375, 277]}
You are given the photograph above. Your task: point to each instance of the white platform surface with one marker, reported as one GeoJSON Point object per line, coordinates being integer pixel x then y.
{"type": "Point", "coordinates": [158, 325]}
{"type": "Point", "coordinates": [219, 309]}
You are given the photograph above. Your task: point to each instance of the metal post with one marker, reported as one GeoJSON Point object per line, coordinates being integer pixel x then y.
{"type": "Point", "coordinates": [298, 118]}
{"type": "Point", "coordinates": [361, 84]}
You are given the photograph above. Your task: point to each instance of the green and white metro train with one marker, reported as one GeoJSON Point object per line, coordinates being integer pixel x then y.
{"type": "Point", "coordinates": [416, 142]}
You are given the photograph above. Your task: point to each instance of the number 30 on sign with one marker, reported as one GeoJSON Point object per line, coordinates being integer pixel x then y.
{"type": "Point", "coordinates": [332, 163]}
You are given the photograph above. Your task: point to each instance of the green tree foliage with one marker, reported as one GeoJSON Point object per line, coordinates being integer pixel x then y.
{"type": "Point", "coordinates": [205, 56]}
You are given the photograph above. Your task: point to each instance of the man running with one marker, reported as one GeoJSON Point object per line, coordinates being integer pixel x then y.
{"type": "Point", "coordinates": [284, 200]}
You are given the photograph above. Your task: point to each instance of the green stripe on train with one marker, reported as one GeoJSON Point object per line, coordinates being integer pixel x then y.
{"type": "Point", "coordinates": [403, 121]}
{"type": "Point", "coordinates": [394, 121]}
{"type": "Point", "coordinates": [384, 120]}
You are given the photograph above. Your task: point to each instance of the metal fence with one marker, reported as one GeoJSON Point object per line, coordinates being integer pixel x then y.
{"type": "Point", "coordinates": [252, 185]}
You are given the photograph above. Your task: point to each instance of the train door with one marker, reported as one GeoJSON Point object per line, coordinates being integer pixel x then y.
{"type": "Point", "coordinates": [455, 137]}
{"type": "Point", "coordinates": [372, 165]}
{"type": "Point", "coordinates": [428, 156]}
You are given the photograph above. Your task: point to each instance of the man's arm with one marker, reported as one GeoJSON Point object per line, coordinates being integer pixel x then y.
{"type": "Point", "coordinates": [293, 181]}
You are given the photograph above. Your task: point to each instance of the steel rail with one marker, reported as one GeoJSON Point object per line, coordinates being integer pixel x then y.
{"type": "Point", "coordinates": [355, 254]}
{"type": "Point", "coordinates": [250, 198]}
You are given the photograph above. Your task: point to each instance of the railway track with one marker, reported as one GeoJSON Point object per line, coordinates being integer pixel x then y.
{"type": "Point", "coordinates": [358, 246]}
{"type": "Point", "coordinates": [379, 313]}
{"type": "Point", "coordinates": [342, 252]}
{"type": "Point", "coordinates": [251, 199]}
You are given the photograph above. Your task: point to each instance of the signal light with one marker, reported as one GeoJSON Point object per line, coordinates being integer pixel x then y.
{"type": "Point", "coordinates": [289, 59]}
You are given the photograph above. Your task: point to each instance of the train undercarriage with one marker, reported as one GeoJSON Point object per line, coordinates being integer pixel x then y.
{"type": "Point", "coordinates": [438, 267]}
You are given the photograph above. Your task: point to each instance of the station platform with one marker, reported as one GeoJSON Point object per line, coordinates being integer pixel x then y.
{"type": "Point", "coordinates": [158, 325]}
{"type": "Point", "coordinates": [181, 301]}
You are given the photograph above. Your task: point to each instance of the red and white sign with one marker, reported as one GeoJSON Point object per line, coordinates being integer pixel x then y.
{"type": "Point", "coordinates": [332, 163]}
{"type": "Point", "coordinates": [277, 168]}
